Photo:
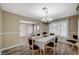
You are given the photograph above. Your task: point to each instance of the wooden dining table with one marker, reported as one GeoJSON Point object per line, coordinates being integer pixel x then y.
{"type": "Point", "coordinates": [42, 41]}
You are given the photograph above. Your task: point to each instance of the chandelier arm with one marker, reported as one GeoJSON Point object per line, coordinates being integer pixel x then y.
{"type": "Point", "coordinates": [46, 19]}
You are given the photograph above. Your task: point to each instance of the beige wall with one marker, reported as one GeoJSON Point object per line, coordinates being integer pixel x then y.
{"type": "Point", "coordinates": [10, 25]}
{"type": "Point", "coordinates": [45, 28]}
{"type": "Point", "coordinates": [73, 25]}
{"type": "Point", "coordinates": [0, 31]}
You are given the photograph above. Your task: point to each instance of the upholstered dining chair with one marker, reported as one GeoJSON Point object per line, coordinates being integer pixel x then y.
{"type": "Point", "coordinates": [75, 37]}
{"type": "Point", "coordinates": [34, 48]}
{"type": "Point", "coordinates": [73, 41]}
{"type": "Point", "coordinates": [38, 34]}
{"type": "Point", "coordinates": [73, 46]}
{"type": "Point", "coordinates": [52, 34]}
{"type": "Point", "coordinates": [52, 45]}
{"type": "Point", "coordinates": [44, 34]}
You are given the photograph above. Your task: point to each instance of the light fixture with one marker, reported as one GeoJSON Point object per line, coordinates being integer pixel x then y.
{"type": "Point", "coordinates": [46, 19]}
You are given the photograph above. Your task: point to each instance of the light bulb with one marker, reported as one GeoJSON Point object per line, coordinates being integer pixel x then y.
{"type": "Point", "coordinates": [50, 19]}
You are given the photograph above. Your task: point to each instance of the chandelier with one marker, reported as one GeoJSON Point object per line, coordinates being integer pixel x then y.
{"type": "Point", "coordinates": [46, 19]}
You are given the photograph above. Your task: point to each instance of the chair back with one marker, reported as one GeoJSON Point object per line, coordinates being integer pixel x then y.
{"type": "Point", "coordinates": [56, 39]}
{"type": "Point", "coordinates": [52, 34]}
{"type": "Point", "coordinates": [44, 34]}
{"type": "Point", "coordinates": [38, 34]}
{"type": "Point", "coordinates": [75, 37]}
{"type": "Point", "coordinates": [30, 41]}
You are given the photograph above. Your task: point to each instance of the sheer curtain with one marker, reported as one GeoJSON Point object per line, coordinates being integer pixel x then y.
{"type": "Point", "coordinates": [25, 29]}
{"type": "Point", "coordinates": [36, 29]}
{"type": "Point", "coordinates": [59, 27]}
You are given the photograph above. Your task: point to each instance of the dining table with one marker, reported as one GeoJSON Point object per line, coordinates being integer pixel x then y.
{"type": "Point", "coordinates": [41, 41]}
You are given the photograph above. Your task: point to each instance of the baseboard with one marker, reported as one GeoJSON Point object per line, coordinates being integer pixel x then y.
{"type": "Point", "coordinates": [6, 48]}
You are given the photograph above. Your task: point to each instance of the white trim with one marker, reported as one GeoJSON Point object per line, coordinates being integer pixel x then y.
{"type": "Point", "coordinates": [12, 46]}
{"type": "Point", "coordinates": [27, 22]}
{"type": "Point", "coordinates": [9, 33]}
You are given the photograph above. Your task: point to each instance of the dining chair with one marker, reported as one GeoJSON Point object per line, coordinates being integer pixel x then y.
{"type": "Point", "coordinates": [73, 42]}
{"type": "Point", "coordinates": [34, 48]}
{"type": "Point", "coordinates": [75, 37]}
{"type": "Point", "coordinates": [52, 45]}
{"type": "Point", "coordinates": [38, 34]}
{"type": "Point", "coordinates": [52, 34]}
{"type": "Point", "coordinates": [44, 34]}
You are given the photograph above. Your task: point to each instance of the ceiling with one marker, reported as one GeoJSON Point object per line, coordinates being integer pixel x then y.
{"type": "Point", "coordinates": [34, 10]}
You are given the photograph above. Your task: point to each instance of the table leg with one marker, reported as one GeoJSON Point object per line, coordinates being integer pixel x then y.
{"type": "Point", "coordinates": [72, 49]}
{"type": "Point", "coordinates": [43, 51]}
{"type": "Point", "coordinates": [40, 51]}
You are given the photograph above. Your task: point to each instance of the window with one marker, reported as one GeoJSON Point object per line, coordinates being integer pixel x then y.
{"type": "Point", "coordinates": [36, 28]}
{"type": "Point", "coordinates": [52, 28]}
{"type": "Point", "coordinates": [60, 28]}
{"type": "Point", "coordinates": [25, 29]}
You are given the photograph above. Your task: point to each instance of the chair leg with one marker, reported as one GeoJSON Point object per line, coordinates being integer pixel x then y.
{"type": "Point", "coordinates": [46, 50]}
{"type": "Point", "coordinates": [54, 50]}
{"type": "Point", "coordinates": [43, 52]}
